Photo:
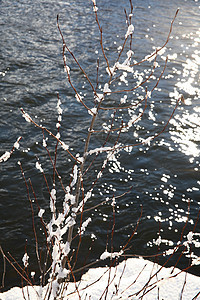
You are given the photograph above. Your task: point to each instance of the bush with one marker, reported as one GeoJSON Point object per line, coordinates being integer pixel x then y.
{"type": "Point", "coordinates": [113, 112]}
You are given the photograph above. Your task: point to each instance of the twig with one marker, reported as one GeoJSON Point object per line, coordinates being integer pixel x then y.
{"type": "Point", "coordinates": [4, 268]}
{"type": "Point", "coordinates": [50, 133]}
{"type": "Point", "coordinates": [166, 42]}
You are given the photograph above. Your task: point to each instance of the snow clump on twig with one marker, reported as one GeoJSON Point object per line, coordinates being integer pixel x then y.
{"type": "Point", "coordinates": [107, 254]}
{"type": "Point", "coordinates": [38, 166]}
{"type": "Point", "coordinates": [25, 260]}
{"type": "Point", "coordinates": [95, 8]}
{"type": "Point", "coordinates": [129, 31]}
{"type": "Point", "coordinates": [5, 156]}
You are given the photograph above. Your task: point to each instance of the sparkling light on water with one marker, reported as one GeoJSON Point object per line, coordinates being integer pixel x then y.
{"type": "Point", "coordinates": [186, 124]}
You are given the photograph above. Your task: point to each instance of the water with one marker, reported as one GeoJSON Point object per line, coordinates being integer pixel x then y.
{"type": "Point", "coordinates": [163, 176]}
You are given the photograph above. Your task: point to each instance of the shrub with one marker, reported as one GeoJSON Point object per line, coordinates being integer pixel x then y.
{"type": "Point", "coordinates": [112, 111]}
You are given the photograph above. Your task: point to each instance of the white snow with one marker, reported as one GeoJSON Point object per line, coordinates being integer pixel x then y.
{"type": "Point", "coordinates": [148, 140]}
{"type": "Point", "coordinates": [95, 8]}
{"type": "Point", "coordinates": [38, 166]}
{"type": "Point", "coordinates": [26, 117]}
{"type": "Point", "coordinates": [74, 176]}
{"type": "Point", "coordinates": [124, 67]}
{"type": "Point", "coordinates": [190, 236]}
{"type": "Point", "coordinates": [52, 200]}
{"type": "Point", "coordinates": [25, 260]}
{"type": "Point", "coordinates": [107, 254]}
{"type": "Point", "coordinates": [106, 89]}
{"type": "Point", "coordinates": [98, 97]}
{"type": "Point", "coordinates": [168, 285]}
{"type": "Point", "coordinates": [59, 109]}
{"type": "Point", "coordinates": [44, 143]}
{"type": "Point", "coordinates": [5, 156]}
{"type": "Point", "coordinates": [16, 144]}
{"type": "Point", "coordinates": [41, 212]}
{"type": "Point", "coordinates": [84, 225]}
{"type": "Point", "coordinates": [155, 64]}
{"type": "Point", "coordinates": [57, 125]}
{"type": "Point", "coordinates": [67, 69]}
{"type": "Point", "coordinates": [64, 146]}
{"type": "Point", "coordinates": [78, 97]}
{"type": "Point", "coordinates": [129, 54]}
{"type": "Point", "coordinates": [58, 135]}
{"type": "Point", "coordinates": [161, 50]}
{"type": "Point", "coordinates": [129, 31]}
{"type": "Point", "coordinates": [99, 150]}
{"type": "Point", "coordinates": [92, 111]}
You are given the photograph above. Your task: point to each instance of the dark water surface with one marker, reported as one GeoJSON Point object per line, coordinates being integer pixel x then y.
{"type": "Point", "coordinates": [164, 177]}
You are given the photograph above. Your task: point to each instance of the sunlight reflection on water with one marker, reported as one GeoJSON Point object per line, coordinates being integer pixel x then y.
{"type": "Point", "coordinates": [187, 138]}
{"type": "Point", "coordinates": [187, 124]}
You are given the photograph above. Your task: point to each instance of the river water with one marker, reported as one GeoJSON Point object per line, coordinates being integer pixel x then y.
{"type": "Point", "coordinates": [164, 175]}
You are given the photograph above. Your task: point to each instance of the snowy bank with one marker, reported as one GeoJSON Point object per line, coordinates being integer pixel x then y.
{"type": "Point", "coordinates": [127, 281]}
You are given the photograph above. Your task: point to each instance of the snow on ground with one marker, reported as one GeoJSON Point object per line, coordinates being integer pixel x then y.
{"type": "Point", "coordinates": [136, 274]}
